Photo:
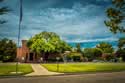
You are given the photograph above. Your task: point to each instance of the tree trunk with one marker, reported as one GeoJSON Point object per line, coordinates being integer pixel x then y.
{"type": "Point", "coordinates": [45, 56]}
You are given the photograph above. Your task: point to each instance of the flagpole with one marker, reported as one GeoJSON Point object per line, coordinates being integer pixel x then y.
{"type": "Point", "coordinates": [18, 42]}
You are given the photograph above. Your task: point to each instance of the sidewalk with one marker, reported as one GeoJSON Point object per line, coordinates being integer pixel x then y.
{"type": "Point", "coordinates": [39, 70]}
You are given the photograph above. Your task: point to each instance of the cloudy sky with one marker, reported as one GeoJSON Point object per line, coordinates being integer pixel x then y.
{"type": "Point", "coordinates": [73, 20]}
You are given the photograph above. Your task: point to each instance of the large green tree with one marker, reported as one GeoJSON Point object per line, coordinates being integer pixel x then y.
{"type": "Point", "coordinates": [3, 10]}
{"type": "Point", "coordinates": [47, 42]}
{"type": "Point", "coordinates": [121, 43]}
{"type": "Point", "coordinates": [7, 50]}
{"type": "Point", "coordinates": [121, 48]}
{"type": "Point", "coordinates": [116, 15]}
{"type": "Point", "coordinates": [92, 53]}
{"type": "Point", "coordinates": [121, 53]}
{"type": "Point", "coordinates": [105, 47]}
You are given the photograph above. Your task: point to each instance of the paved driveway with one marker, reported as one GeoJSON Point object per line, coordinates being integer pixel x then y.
{"type": "Point", "coordinates": [118, 77]}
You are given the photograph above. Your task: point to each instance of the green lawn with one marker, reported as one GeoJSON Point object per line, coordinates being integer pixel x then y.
{"type": "Point", "coordinates": [8, 68]}
{"type": "Point", "coordinates": [86, 67]}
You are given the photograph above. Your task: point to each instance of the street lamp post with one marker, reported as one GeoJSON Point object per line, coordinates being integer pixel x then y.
{"type": "Point", "coordinates": [57, 58]}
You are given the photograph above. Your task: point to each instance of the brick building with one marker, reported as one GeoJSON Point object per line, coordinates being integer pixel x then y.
{"type": "Point", "coordinates": [25, 55]}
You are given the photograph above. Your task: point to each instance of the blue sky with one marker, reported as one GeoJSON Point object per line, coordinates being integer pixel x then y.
{"type": "Point", "coordinates": [73, 20]}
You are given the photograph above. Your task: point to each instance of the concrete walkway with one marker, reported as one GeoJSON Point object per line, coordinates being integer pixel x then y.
{"type": "Point", "coordinates": [39, 70]}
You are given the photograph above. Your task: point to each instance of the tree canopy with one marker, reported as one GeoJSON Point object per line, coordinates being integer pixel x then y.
{"type": "Point", "coordinates": [7, 50]}
{"type": "Point", "coordinates": [116, 15]}
{"type": "Point", "coordinates": [105, 47]}
{"type": "Point", "coordinates": [92, 53]}
{"type": "Point", "coordinates": [121, 50]}
{"type": "Point", "coordinates": [47, 42]}
{"type": "Point", "coordinates": [121, 43]}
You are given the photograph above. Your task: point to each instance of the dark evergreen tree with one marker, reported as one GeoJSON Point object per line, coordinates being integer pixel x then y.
{"type": "Point", "coordinates": [78, 47]}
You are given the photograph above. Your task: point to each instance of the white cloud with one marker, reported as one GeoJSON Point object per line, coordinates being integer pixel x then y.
{"type": "Point", "coordinates": [94, 40]}
{"type": "Point", "coordinates": [78, 23]}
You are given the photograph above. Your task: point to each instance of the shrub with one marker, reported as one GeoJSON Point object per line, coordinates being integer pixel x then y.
{"type": "Point", "coordinates": [75, 56]}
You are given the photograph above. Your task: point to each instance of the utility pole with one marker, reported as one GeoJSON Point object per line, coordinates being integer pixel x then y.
{"type": "Point", "coordinates": [18, 42]}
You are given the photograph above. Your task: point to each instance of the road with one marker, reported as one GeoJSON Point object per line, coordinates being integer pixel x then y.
{"type": "Point", "coordinates": [117, 77]}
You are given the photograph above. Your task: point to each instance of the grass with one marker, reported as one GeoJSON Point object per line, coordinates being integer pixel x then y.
{"type": "Point", "coordinates": [6, 69]}
{"type": "Point", "coordinates": [86, 67]}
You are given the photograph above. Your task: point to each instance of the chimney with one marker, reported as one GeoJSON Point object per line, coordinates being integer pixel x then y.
{"type": "Point", "coordinates": [24, 43]}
